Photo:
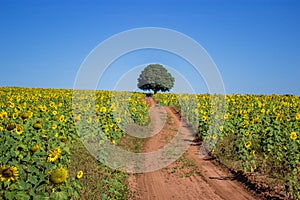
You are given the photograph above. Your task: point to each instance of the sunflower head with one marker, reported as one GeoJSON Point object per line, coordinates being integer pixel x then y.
{"type": "Point", "coordinates": [79, 174]}
{"type": "Point", "coordinates": [297, 116]}
{"type": "Point", "coordinates": [118, 120]}
{"type": "Point", "coordinates": [35, 148]}
{"type": "Point", "coordinates": [15, 115]}
{"type": "Point", "coordinates": [54, 126]}
{"type": "Point", "coordinates": [221, 128]}
{"type": "Point", "coordinates": [19, 129]}
{"type": "Point", "coordinates": [11, 126]}
{"type": "Point", "coordinates": [293, 135]}
{"type": "Point", "coordinates": [52, 104]}
{"type": "Point", "coordinates": [103, 109]}
{"type": "Point", "coordinates": [54, 154]}
{"type": "Point", "coordinates": [247, 144]}
{"type": "Point", "coordinates": [58, 175]}
{"type": "Point", "coordinates": [3, 115]}
{"type": "Point", "coordinates": [204, 118]}
{"type": "Point", "coordinates": [25, 115]}
{"type": "Point", "coordinates": [8, 173]}
{"type": "Point", "coordinates": [61, 118]}
{"type": "Point", "coordinates": [226, 116]}
{"type": "Point", "coordinates": [43, 108]}
{"type": "Point", "coordinates": [63, 139]}
{"type": "Point", "coordinates": [11, 104]}
{"type": "Point", "coordinates": [37, 126]}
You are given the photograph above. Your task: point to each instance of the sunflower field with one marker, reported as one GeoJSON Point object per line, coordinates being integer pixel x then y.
{"type": "Point", "coordinates": [37, 129]}
{"type": "Point", "coordinates": [257, 134]}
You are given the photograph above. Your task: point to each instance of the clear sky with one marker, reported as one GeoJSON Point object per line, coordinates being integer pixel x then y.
{"type": "Point", "coordinates": [254, 43]}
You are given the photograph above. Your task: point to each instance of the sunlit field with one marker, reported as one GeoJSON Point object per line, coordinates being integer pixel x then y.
{"type": "Point", "coordinates": [42, 155]}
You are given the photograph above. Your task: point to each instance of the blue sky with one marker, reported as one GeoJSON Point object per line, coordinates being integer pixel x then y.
{"type": "Point", "coordinates": [255, 44]}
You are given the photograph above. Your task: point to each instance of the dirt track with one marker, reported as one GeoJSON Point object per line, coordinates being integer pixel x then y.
{"type": "Point", "coordinates": [201, 180]}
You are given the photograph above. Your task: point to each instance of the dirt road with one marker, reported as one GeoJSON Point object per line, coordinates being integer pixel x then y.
{"type": "Point", "coordinates": [190, 177]}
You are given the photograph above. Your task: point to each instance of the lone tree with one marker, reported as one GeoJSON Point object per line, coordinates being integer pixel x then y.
{"type": "Point", "coordinates": [155, 77]}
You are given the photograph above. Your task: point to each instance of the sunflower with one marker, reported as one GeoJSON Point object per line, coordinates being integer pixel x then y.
{"type": "Point", "coordinates": [58, 175]}
{"type": "Point", "coordinates": [118, 120]}
{"type": "Point", "coordinates": [293, 135]}
{"type": "Point", "coordinates": [245, 124]}
{"type": "Point", "coordinates": [43, 108]}
{"type": "Point", "coordinates": [37, 126]}
{"type": "Point", "coordinates": [113, 108]}
{"type": "Point", "coordinates": [54, 126]}
{"type": "Point", "coordinates": [52, 104]}
{"type": "Point", "coordinates": [3, 114]}
{"type": "Point", "coordinates": [221, 128]}
{"type": "Point", "coordinates": [226, 116]}
{"type": "Point", "coordinates": [214, 136]}
{"type": "Point", "coordinates": [89, 120]}
{"type": "Point", "coordinates": [63, 139]}
{"type": "Point", "coordinates": [19, 129]}
{"type": "Point", "coordinates": [297, 116]}
{"type": "Point", "coordinates": [8, 173]}
{"type": "Point", "coordinates": [35, 148]}
{"type": "Point", "coordinates": [106, 130]}
{"type": "Point", "coordinates": [116, 128]}
{"type": "Point", "coordinates": [79, 174]}
{"type": "Point", "coordinates": [247, 144]}
{"type": "Point", "coordinates": [25, 115]}
{"type": "Point", "coordinates": [54, 154]}
{"type": "Point", "coordinates": [62, 118]}
{"type": "Point", "coordinates": [204, 118]}
{"type": "Point", "coordinates": [103, 109]}
{"type": "Point", "coordinates": [15, 115]}
{"type": "Point", "coordinates": [11, 126]}
{"type": "Point", "coordinates": [133, 109]}
{"type": "Point", "coordinates": [279, 117]}
{"type": "Point", "coordinates": [11, 104]}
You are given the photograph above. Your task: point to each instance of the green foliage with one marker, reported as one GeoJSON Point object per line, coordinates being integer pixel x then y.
{"type": "Point", "coordinates": [155, 77]}
{"type": "Point", "coordinates": [38, 128]}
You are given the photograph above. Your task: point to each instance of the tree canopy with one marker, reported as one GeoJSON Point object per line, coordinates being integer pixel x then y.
{"type": "Point", "coordinates": [156, 78]}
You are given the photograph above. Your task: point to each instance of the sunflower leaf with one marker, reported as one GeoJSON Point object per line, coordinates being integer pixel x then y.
{"type": "Point", "coordinates": [60, 195]}
{"type": "Point", "coordinates": [22, 196]}
{"type": "Point", "coordinates": [32, 179]}
{"type": "Point", "coordinates": [9, 195]}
